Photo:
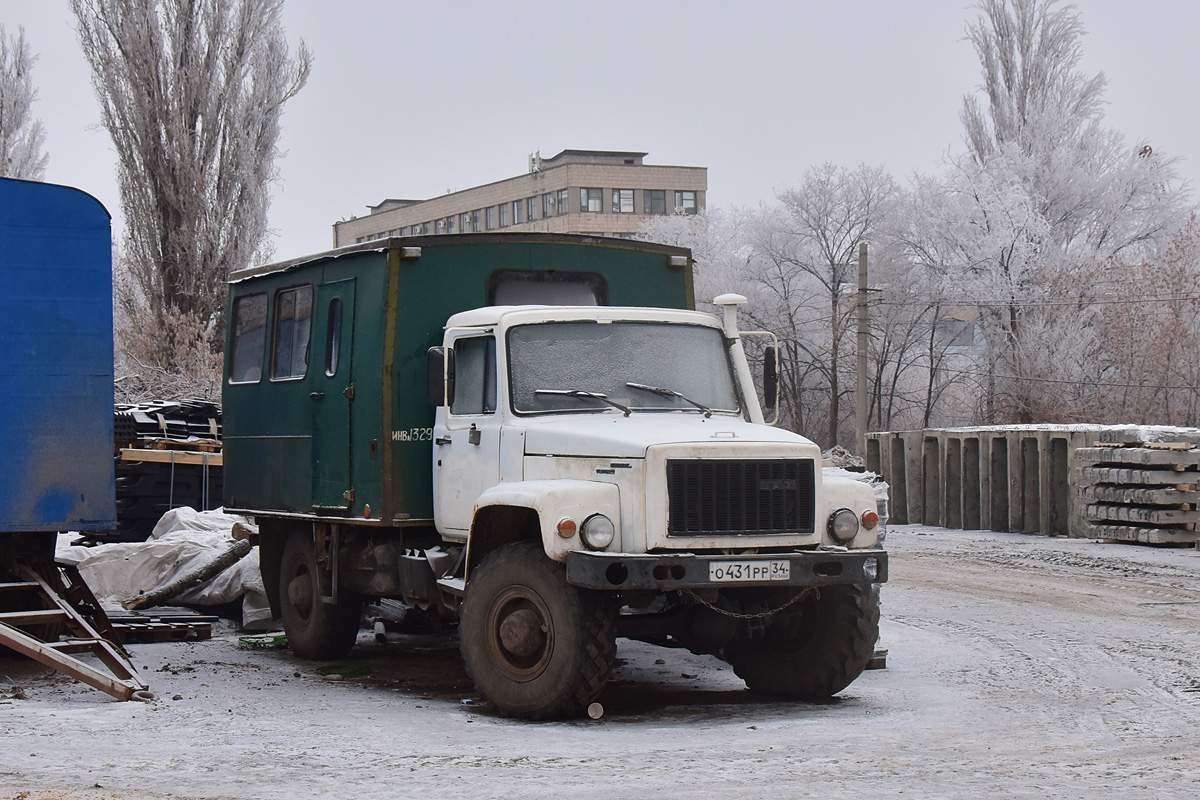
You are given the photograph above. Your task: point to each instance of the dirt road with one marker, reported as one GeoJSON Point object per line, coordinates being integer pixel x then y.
{"type": "Point", "coordinates": [1019, 666]}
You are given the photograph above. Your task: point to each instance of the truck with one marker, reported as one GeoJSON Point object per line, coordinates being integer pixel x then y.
{"type": "Point", "coordinates": [536, 437]}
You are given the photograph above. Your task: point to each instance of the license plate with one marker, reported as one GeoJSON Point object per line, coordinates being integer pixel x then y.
{"type": "Point", "coordinates": [749, 571]}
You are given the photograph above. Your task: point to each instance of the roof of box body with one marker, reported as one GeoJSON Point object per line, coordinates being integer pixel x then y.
{"type": "Point", "coordinates": [417, 242]}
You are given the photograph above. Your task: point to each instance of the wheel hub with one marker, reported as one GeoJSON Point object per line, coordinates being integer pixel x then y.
{"type": "Point", "coordinates": [523, 633]}
{"type": "Point", "coordinates": [300, 594]}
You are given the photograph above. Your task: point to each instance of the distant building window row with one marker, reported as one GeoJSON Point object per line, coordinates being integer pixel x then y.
{"type": "Point", "coordinates": [548, 205]}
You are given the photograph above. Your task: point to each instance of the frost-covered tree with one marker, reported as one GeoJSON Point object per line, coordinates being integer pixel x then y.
{"type": "Point", "coordinates": [808, 258]}
{"type": "Point", "coordinates": [191, 92]}
{"type": "Point", "coordinates": [1044, 199]}
{"type": "Point", "coordinates": [21, 136]}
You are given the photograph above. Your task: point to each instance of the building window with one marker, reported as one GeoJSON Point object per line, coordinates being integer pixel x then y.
{"type": "Point", "coordinates": [249, 335]}
{"type": "Point", "coordinates": [452, 224]}
{"type": "Point", "coordinates": [490, 218]}
{"type": "Point", "coordinates": [590, 200]}
{"type": "Point", "coordinates": [505, 215]}
{"type": "Point", "coordinates": [440, 226]}
{"type": "Point", "coordinates": [293, 319]}
{"type": "Point", "coordinates": [518, 212]}
{"type": "Point", "coordinates": [464, 222]}
{"type": "Point", "coordinates": [685, 202]}
{"type": "Point", "coordinates": [476, 220]}
{"type": "Point", "coordinates": [564, 204]}
{"type": "Point", "coordinates": [548, 210]}
{"type": "Point", "coordinates": [622, 201]}
{"type": "Point", "coordinates": [532, 203]}
{"type": "Point", "coordinates": [654, 201]}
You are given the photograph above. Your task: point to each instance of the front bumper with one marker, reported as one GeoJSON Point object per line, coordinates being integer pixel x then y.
{"type": "Point", "coordinates": [657, 572]}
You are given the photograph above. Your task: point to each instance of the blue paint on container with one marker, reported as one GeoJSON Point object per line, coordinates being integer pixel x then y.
{"type": "Point", "coordinates": [56, 368]}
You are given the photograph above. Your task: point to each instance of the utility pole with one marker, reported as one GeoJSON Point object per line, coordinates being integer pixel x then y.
{"type": "Point", "coordinates": [860, 389]}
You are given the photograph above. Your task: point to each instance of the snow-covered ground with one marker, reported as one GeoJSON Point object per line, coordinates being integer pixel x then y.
{"type": "Point", "coordinates": [1019, 666]}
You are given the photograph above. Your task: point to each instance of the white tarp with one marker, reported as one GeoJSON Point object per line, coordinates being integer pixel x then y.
{"type": "Point", "coordinates": [182, 541]}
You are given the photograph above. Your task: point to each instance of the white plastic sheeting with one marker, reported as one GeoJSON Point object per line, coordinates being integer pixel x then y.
{"type": "Point", "coordinates": [182, 541]}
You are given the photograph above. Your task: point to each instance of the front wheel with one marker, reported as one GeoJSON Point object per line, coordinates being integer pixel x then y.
{"type": "Point", "coordinates": [316, 630]}
{"type": "Point", "coordinates": [814, 648]}
{"type": "Point", "coordinates": [535, 646]}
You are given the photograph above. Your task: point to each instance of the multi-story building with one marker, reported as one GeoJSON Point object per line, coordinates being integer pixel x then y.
{"type": "Point", "coordinates": [598, 192]}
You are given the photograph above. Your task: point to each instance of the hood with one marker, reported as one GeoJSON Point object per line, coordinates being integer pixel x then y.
{"type": "Point", "coordinates": [616, 436]}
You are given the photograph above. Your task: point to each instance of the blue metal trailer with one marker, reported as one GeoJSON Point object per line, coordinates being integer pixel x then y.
{"type": "Point", "coordinates": [56, 425]}
{"type": "Point", "coordinates": [56, 376]}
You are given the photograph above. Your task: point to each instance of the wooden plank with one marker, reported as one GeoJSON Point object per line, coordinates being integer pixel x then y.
{"type": "Point", "coordinates": [172, 456]}
{"type": "Point", "coordinates": [39, 617]}
{"type": "Point", "coordinates": [28, 646]}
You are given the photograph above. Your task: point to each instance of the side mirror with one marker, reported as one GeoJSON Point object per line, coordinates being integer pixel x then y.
{"type": "Point", "coordinates": [771, 377]}
{"type": "Point", "coordinates": [440, 376]}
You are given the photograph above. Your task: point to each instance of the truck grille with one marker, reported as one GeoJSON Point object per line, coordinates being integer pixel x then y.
{"type": "Point", "coordinates": [714, 497]}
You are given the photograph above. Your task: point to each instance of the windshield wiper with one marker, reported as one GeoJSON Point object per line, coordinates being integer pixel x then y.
{"type": "Point", "coordinates": [658, 390]}
{"type": "Point", "coordinates": [580, 394]}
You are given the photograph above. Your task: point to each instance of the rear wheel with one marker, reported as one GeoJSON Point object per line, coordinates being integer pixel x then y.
{"type": "Point", "coordinates": [812, 649]}
{"type": "Point", "coordinates": [535, 646]}
{"type": "Point", "coordinates": [316, 629]}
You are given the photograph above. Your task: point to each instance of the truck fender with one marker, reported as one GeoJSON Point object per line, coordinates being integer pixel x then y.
{"type": "Point", "coordinates": [551, 501]}
{"type": "Point", "coordinates": [848, 493]}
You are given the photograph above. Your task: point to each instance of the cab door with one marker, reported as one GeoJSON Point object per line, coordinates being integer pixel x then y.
{"type": "Point", "coordinates": [331, 393]}
{"type": "Point", "coordinates": [466, 435]}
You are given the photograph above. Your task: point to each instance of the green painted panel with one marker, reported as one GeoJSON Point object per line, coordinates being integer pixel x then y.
{"type": "Point", "coordinates": [270, 439]}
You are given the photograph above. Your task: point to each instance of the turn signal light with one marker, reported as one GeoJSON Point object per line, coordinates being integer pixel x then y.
{"type": "Point", "coordinates": [870, 519]}
{"type": "Point", "coordinates": [566, 528]}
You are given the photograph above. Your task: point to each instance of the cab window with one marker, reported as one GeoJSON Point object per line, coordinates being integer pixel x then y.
{"type": "Point", "coordinates": [474, 376]}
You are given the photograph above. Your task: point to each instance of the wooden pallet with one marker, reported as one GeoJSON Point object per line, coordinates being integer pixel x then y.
{"type": "Point", "coordinates": [168, 626]}
{"type": "Point", "coordinates": [36, 611]}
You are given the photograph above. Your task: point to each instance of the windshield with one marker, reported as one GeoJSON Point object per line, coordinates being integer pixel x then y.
{"type": "Point", "coordinates": [588, 366]}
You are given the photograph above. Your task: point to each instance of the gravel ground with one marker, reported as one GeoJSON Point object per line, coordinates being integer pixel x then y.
{"type": "Point", "coordinates": [1018, 666]}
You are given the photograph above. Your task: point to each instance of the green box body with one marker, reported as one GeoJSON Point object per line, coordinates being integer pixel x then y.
{"type": "Point", "coordinates": [350, 438]}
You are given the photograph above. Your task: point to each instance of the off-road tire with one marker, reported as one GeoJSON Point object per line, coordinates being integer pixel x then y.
{"type": "Point", "coordinates": [815, 648]}
{"type": "Point", "coordinates": [553, 674]}
{"type": "Point", "coordinates": [316, 630]}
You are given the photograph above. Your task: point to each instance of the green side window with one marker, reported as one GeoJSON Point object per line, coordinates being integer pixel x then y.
{"type": "Point", "coordinates": [249, 336]}
{"type": "Point", "coordinates": [293, 321]}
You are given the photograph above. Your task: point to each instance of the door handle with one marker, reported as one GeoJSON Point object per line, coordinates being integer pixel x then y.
{"type": "Point", "coordinates": [441, 440]}
{"type": "Point", "coordinates": [316, 395]}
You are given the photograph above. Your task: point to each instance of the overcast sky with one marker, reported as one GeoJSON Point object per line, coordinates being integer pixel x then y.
{"type": "Point", "coordinates": [412, 99]}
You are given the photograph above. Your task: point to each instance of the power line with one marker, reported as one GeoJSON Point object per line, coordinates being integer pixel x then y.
{"type": "Point", "coordinates": [1130, 301]}
{"type": "Point", "coordinates": [1080, 382]}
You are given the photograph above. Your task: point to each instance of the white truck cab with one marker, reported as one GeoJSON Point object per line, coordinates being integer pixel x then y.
{"type": "Point", "coordinates": [608, 471]}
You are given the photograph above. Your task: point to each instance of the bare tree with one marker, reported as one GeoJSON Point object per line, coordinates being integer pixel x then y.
{"type": "Point", "coordinates": [191, 92]}
{"type": "Point", "coordinates": [21, 136]}
{"type": "Point", "coordinates": [810, 246]}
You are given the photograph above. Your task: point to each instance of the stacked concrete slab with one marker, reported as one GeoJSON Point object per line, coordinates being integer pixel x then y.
{"type": "Point", "coordinates": [1138, 491]}
{"type": "Point", "coordinates": [1022, 478]}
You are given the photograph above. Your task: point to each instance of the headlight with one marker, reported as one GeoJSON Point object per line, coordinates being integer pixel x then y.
{"type": "Point", "coordinates": [597, 532]}
{"type": "Point", "coordinates": [843, 525]}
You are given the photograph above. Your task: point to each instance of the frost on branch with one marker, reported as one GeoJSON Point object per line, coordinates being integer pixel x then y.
{"type": "Point", "coordinates": [191, 93]}
{"type": "Point", "coordinates": [21, 136]}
